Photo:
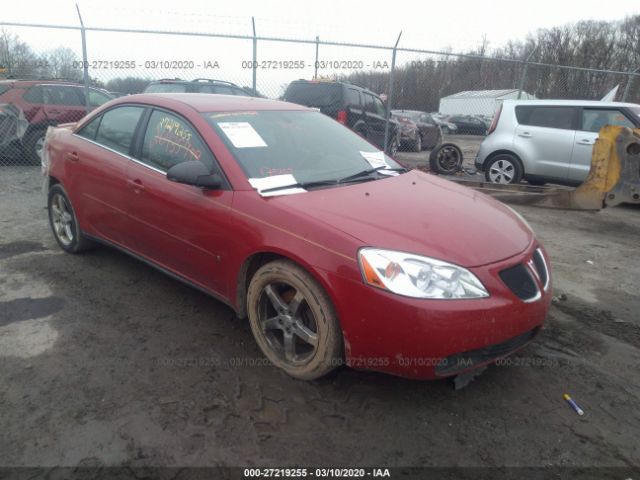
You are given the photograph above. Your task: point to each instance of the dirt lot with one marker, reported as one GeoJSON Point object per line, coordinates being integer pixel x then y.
{"type": "Point", "coordinates": [105, 361]}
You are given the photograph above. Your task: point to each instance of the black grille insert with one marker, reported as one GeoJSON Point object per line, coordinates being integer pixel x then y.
{"type": "Point", "coordinates": [471, 358]}
{"type": "Point", "coordinates": [520, 281]}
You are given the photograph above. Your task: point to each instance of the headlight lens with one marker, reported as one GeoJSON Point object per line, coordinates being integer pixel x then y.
{"type": "Point", "coordinates": [418, 276]}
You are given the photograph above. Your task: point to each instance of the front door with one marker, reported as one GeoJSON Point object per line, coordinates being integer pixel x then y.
{"type": "Point", "coordinates": [181, 228]}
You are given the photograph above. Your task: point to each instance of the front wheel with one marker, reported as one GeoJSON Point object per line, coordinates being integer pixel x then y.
{"type": "Point", "coordinates": [504, 169]}
{"type": "Point", "coordinates": [293, 320]}
{"type": "Point", "coordinates": [393, 147]}
{"type": "Point", "coordinates": [417, 145]}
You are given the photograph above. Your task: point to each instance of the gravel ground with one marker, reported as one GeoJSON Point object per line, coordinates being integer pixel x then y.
{"type": "Point", "coordinates": [105, 361]}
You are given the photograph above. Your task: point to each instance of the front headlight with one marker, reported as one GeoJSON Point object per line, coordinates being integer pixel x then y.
{"type": "Point", "coordinates": [418, 276]}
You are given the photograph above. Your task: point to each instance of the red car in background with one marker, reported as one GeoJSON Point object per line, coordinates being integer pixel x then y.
{"type": "Point", "coordinates": [40, 104]}
{"type": "Point", "coordinates": [332, 250]}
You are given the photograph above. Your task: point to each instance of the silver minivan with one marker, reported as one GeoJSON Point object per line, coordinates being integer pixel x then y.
{"type": "Point", "coordinates": [548, 140]}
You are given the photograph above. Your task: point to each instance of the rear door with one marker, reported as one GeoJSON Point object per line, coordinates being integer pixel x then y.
{"type": "Point", "coordinates": [355, 110]}
{"type": "Point", "coordinates": [180, 227]}
{"type": "Point", "coordinates": [592, 119]}
{"type": "Point", "coordinates": [544, 138]}
{"type": "Point", "coordinates": [63, 103]}
{"type": "Point", "coordinates": [100, 155]}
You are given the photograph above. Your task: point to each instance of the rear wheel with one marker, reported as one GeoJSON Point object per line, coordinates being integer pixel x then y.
{"type": "Point", "coordinates": [64, 222]}
{"type": "Point", "coordinates": [504, 168]}
{"type": "Point", "coordinates": [393, 147]}
{"type": "Point", "coordinates": [293, 320]}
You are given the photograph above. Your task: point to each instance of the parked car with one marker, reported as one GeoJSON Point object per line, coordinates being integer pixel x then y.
{"type": "Point", "coordinates": [548, 140]}
{"type": "Point", "coordinates": [446, 126]}
{"type": "Point", "coordinates": [303, 226]}
{"type": "Point", "coordinates": [418, 130]}
{"type": "Point", "coordinates": [468, 125]}
{"type": "Point", "coordinates": [199, 85]}
{"type": "Point", "coordinates": [359, 109]}
{"type": "Point", "coordinates": [42, 103]}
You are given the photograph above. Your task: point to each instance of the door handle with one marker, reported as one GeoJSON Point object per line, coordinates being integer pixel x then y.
{"type": "Point", "coordinates": [586, 141]}
{"type": "Point", "coordinates": [524, 134]}
{"type": "Point", "coordinates": [73, 156]}
{"type": "Point", "coordinates": [136, 185]}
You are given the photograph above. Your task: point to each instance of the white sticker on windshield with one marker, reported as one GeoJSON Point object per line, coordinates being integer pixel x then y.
{"type": "Point", "coordinates": [375, 159]}
{"type": "Point", "coordinates": [279, 183]}
{"type": "Point", "coordinates": [242, 134]}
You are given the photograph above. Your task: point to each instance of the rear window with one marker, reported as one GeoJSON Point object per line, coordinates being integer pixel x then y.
{"type": "Point", "coordinates": [117, 127]}
{"type": "Point", "coordinates": [551, 117]}
{"type": "Point", "coordinates": [314, 94]}
{"type": "Point", "coordinates": [166, 88]}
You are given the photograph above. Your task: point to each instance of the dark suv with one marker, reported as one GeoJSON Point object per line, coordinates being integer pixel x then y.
{"type": "Point", "coordinates": [28, 107]}
{"type": "Point", "coordinates": [199, 85]}
{"type": "Point", "coordinates": [359, 109]}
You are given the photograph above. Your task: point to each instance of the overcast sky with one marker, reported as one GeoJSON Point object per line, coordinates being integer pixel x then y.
{"type": "Point", "coordinates": [433, 25]}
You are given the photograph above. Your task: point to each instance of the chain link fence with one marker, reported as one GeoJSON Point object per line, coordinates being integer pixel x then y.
{"type": "Point", "coordinates": [54, 74]}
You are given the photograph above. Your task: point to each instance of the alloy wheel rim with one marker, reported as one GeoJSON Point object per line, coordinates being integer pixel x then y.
{"type": "Point", "coordinates": [39, 147]}
{"type": "Point", "coordinates": [502, 171]}
{"type": "Point", "coordinates": [448, 158]}
{"type": "Point", "coordinates": [287, 323]}
{"type": "Point", "coordinates": [62, 220]}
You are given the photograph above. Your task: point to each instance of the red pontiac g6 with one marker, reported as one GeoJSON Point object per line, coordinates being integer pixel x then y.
{"type": "Point", "coordinates": [332, 250]}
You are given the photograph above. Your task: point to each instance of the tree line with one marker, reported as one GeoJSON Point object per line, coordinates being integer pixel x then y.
{"type": "Point", "coordinates": [615, 45]}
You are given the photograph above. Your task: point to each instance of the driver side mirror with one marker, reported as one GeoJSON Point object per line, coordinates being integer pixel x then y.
{"type": "Point", "coordinates": [194, 173]}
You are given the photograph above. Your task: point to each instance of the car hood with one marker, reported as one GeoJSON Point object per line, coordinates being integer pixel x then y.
{"type": "Point", "coordinates": [418, 213]}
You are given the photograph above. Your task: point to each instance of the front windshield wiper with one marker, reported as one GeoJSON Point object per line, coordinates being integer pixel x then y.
{"type": "Point", "coordinates": [369, 171]}
{"type": "Point", "coordinates": [364, 174]}
{"type": "Point", "coordinates": [306, 185]}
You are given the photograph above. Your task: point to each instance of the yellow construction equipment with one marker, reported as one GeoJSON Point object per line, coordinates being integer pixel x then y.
{"type": "Point", "coordinates": [614, 178]}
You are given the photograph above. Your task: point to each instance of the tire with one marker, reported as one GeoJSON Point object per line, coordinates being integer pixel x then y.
{"type": "Point", "coordinates": [33, 146]}
{"type": "Point", "coordinates": [417, 145]}
{"type": "Point", "coordinates": [504, 168]}
{"type": "Point", "coordinates": [64, 223]}
{"type": "Point", "coordinates": [393, 147]}
{"type": "Point", "coordinates": [446, 159]}
{"type": "Point", "coordinates": [287, 306]}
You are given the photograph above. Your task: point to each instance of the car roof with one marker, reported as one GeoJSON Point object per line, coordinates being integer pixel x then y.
{"type": "Point", "coordinates": [28, 83]}
{"type": "Point", "coordinates": [208, 102]}
{"type": "Point", "coordinates": [570, 103]}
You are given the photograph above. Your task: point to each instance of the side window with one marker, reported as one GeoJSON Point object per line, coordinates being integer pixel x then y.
{"type": "Point", "coordinates": [223, 89]}
{"type": "Point", "coordinates": [97, 98]}
{"type": "Point", "coordinates": [34, 95]}
{"type": "Point", "coordinates": [369, 103]}
{"type": "Point", "coordinates": [62, 95]}
{"type": "Point", "coordinates": [551, 117]}
{"type": "Point", "coordinates": [170, 140]}
{"type": "Point", "coordinates": [240, 92]}
{"type": "Point", "coordinates": [353, 98]}
{"type": "Point", "coordinates": [594, 119]}
{"type": "Point", "coordinates": [90, 129]}
{"type": "Point", "coordinates": [117, 128]}
{"type": "Point", "coordinates": [379, 106]}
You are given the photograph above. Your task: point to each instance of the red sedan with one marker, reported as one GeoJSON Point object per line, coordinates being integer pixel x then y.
{"type": "Point", "coordinates": [334, 252]}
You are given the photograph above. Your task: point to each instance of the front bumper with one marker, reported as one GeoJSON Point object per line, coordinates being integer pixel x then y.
{"type": "Point", "coordinates": [427, 339]}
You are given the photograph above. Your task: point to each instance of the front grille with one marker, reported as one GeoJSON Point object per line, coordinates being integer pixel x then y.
{"type": "Point", "coordinates": [541, 267]}
{"type": "Point", "coordinates": [471, 358]}
{"type": "Point", "coordinates": [520, 281]}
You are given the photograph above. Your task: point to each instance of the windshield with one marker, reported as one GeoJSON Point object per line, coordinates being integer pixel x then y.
{"type": "Point", "coordinates": [307, 145]}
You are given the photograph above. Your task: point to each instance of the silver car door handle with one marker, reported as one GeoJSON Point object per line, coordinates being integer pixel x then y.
{"type": "Point", "coordinates": [586, 141]}
{"type": "Point", "coordinates": [525, 134]}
